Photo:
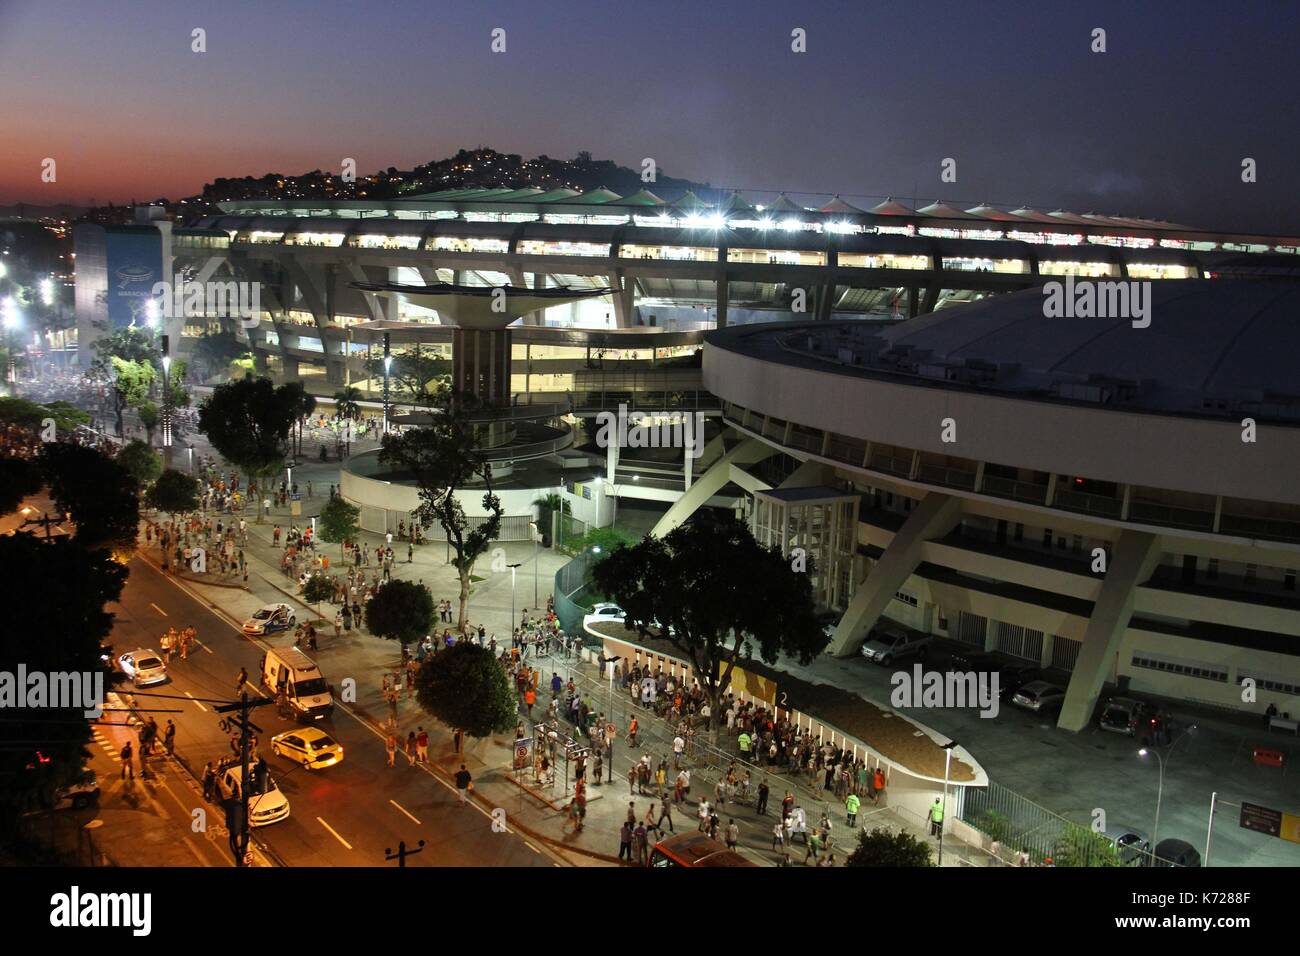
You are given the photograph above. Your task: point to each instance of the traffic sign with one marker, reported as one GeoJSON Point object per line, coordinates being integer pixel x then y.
{"type": "Point", "coordinates": [611, 730]}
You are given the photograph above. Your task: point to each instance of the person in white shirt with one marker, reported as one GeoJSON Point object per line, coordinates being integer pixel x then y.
{"type": "Point", "coordinates": [704, 816]}
{"type": "Point", "coordinates": [679, 745]}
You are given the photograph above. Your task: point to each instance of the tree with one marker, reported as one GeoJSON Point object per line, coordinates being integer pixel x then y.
{"type": "Point", "coordinates": [141, 461]}
{"type": "Point", "coordinates": [76, 623]}
{"type": "Point", "coordinates": [882, 848]}
{"type": "Point", "coordinates": [347, 403]}
{"type": "Point", "coordinates": [719, 596]}
{"type": "Point", "coordinates": [174, 492]}
{"type": "Point", "coordinates": [400, 611]}
{"type": "Point", "coordinates": [100, 494]}
{"type": "Point", "coordinates": [444, 460]}
{"type": "Point", "coordinates": [248, 423]}
{"type": "Point", "coordinates": [1083, 846]}
{"type": "Point", "coordinates": [338, 522]}
{"type": "Point", "coordinates": [215, 352]}
{"type": "Point", "coordinates": [414, 374]}
{"type": "Point", "coordinates": [149, 418]}
{"type": "Point", "coordinates": [319, 588]}
{"type": "Point", "coordinates": [465, 687]}
{"type": "Point", "coordinates": [19, 477]}
{"type": "Point", "coordinates": [548, 505]}
{"type": "Point", "coordinates": [130, 383]}
{"type": "Point", "coordinates": [302, 403]}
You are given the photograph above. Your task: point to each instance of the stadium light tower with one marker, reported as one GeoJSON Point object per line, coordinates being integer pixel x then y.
{"type": "Point", "coordinates": [12, 319]}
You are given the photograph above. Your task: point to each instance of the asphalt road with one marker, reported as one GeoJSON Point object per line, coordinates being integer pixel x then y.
{"type": "Point", "coordinates": [345, 815]}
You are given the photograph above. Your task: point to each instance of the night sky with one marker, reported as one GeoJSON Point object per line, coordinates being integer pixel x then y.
{"type": "Point", "coordinates": [1157, 126]}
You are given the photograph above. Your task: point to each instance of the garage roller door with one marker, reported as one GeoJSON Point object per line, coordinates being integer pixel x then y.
{"type": "Point", "coordinates": [1065, 652]}
{"type": "Point", "coordinates": [970, 628]}
{"type": "Point", "coordinates": [1018, 641]}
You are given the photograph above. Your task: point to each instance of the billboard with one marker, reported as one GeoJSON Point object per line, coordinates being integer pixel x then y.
{"type": "Point", "coordinates": [134, 264]}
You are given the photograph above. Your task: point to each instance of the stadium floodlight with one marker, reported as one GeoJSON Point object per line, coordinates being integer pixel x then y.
{"type": "Point", "coordinates": [12, 317]}
{"type": "Point", "coordinates": [47, 291]}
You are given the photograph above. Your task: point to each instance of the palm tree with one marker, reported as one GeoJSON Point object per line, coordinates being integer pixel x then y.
{"type": "Point", "coordinates": [347, 405]}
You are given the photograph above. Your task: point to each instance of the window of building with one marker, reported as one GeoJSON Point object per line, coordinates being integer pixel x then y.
{"type": "Point", "coordinates": [1047, 537]}
{"type": "Point", "coordinates": [1072, 267]}
{"type": "Point", "coordinates": [1184, 668]}
{"type": "Point", "coordinates": [1138, 270]}
{"type": "Point", "coordinates": [543, 247]}
{"type": "Point", "coordinates": [671, 253]}
{"type": "Point", "coordinates": [785, 257]}
{"type": "Point", "coordinates": [883, 260]}
{"type": "Point", "coordinates": [1019, 532]}
{"type": "Point", "coordinates": [972, 264]}
{"type": "Point", "coordinates": [1212, 569]}
{"type": "Point", "coordinates": [1077, 544]}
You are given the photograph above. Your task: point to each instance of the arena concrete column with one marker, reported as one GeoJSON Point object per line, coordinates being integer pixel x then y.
{"type": "Point", "coordinates": [933, 517]}
{"type": "Point", "coordinates": [1134, 557]}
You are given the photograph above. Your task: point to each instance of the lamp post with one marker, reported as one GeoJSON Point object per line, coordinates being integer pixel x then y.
{"type": "Point", "coordinates": [388, 366]}
{"type": "Point", "coordinates": [167, 402]}
{"type": "Point", "coordinates": [947, 768]}
{"type": "Point", "coordinates": [513, 568]}
{"type": "Point", "coordinates": [537, 542]}
{"type": "Point", "coordinates": [1160, 787]}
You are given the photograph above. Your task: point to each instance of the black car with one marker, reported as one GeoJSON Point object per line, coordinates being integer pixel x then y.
{"type": "Point", "coordinates": [1012, 677]}
{"type": "Point", "coordinates": [1176, 853]}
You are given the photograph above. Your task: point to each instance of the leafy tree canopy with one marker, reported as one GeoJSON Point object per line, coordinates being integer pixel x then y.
{"type": "Point", "coordinates": [19, 477]}
{"type": "Point", "coordinates": [99, 493]}
{"type": "Point", "coordinates": [174, 492]}
{"type": "Point", "coordinates": [248, 423]}
{"type": "Point", "coordinates": [87, 580]}
{"type": "Point", "coordinates": [465, 687]}
{"type": "Point", "coordinates": [338, 521]}
{"type": "Point", "coordinates": [215, 351]}
{"type": "Point", "coordinates": [721, 596]}
{"type": "Point", "coordinates": [141, 461]}
{"type": "Point", "coordinates": [400, 611]}
{"type": "Point", "coordinates": [882, 848]}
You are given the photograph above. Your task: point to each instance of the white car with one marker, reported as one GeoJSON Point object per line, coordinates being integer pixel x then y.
{"type": "Point", "coordinates": [265, 805]}
{"type": "Point", "coordinates": [273, 617]}
{"type": "Point", "coordinates": [1040, 696]}
{"type": "Point", "coordinates": [604, 613]}
{"type": "Point", "coordinates": [144, 667]}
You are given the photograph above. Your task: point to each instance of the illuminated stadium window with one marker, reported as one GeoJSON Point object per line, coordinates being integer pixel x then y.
{"type": "Point", "coordinates": [300, 317]}
{"type": "Point", "coordinates": [333, 239]}
{"type": "Point", "coordinates": [1139, 270]}
{"type": "Point", "coordinates": [1068, 267]}
{"type": "Point", "coordinates": [1244, 247]}
{"type": "Point", "coordinates": [968, 264]}
{"type": "Point", "coordinates": [546, 247]}
{"type": "Point", "coordinates": [260, 235]}
{"type": "Point", "coordinates": [1046, 238]}
{"type": "Point", "coordinates": [385, 242]}
{"type": "Point", "coordinates": [1123, 242]}
{"type": "Point", "coordinates": [1188, 244]}
{"type": "Point", "coordinates": [454, 244]}
{"type": "Point", "coordinates": [1184, 668]}
{"type": "Point", "coordinates": [785, 257]}
{"type": "Point", "coordinates": [501, 217]}
{"type": "Point", "coordinates": [673, 253]}
{"type": "Point", "coordinates": [588, 219]}
{"type": "Point", "coordinates": [896, 230]}
{"type": "Point", "coordinates": [883, 260]}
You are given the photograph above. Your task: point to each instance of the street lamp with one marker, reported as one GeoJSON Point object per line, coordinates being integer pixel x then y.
{"type": "Point", "coordinates": [1160, 788]}
{"type": "Point", "coordinates": [537, 543]}
{"type": "Point", "coordinates": [513, 568]}
{"type": "Point", "coordinates": [947, 767]}
{"type": "Point", "coordinates": [167, 402]}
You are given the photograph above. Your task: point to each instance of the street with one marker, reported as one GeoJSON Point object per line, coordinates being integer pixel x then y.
{"type": "Point", "coordinates": [346, 815]}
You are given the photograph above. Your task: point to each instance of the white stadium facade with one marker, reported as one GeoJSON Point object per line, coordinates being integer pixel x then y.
{"type": "Point", "coordinates": [882, 389]}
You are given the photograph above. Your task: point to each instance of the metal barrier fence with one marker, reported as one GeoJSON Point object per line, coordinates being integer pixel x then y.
{"type": "Point", "coordinates": [570, 582]}
{"type": "Point", "coordinates": [1021, 826]}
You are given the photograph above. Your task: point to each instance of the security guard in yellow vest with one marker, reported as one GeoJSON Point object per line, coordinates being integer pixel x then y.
{"type": "Point", "coordinates": [936, 817]}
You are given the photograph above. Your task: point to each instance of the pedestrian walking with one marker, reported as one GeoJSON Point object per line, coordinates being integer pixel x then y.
{"type": "Point", "coordinates": [410, 749]}
{"type": "Point", "coordinates": [733, 834]}
{"type": "Point", "coordinates": [422, 745]}
{"type": "Point", "coordinates": [169, 738]}
{"type": "Point", "coordinates": [762, 798]}
{"type": "Point", "coordinates": [625, 842]}
{"type": "Point", "coordinates": [464, 783]}
{"type": "Point", "coordinates": [936, 818]}
{"type": "Point", "coordinates": [704, 815]}
{"type": "Point", "coordinates": [851, 804]}
{"type": "Point", "coordinates": [128, 768]}
{"type": "Point", "coordinates": [209, 780]}
{"type": "Point", "coordinates": [665, 816]}
{"type": "Point", "coordinates": [240, 680]}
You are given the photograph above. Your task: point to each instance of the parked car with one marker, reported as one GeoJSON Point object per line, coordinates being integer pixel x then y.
{"type": "Point", "coordinates": [603, 613]}
{"type": "Point", "coordinates": [1174, 852]}
{"type": "Point", "coordinates": [1123, 715]}
{"type": "Point", "coordinates": [1040, 696]}
{"type": "Point", "coordinates": [311, 747]}
{"type": "Point", "coordinates": [1131, 845]}
{"type": "Point", "coordinates": [143, 666]}
{"type": "Point", "coordinates": [829, 620]}
{"type": "Point", "coordinates": [79, 795]}
{"type": "Point", "coordinates": [887, 645]}
{"type": "Point", "coordinates": [1012, 677]}
{"type": "Point", "coordinates": [273, 617]}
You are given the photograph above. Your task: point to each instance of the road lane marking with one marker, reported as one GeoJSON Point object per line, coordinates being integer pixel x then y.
{"type": "Point", "coordinates": [158, 609]}
{"type": "Point", "coordinates": [333, 831]}
{"type": "Point", "coordinates": [202, 645]}
{"type": "Point", "coordinates": [404, 810]}
{"type": "Point", "coordinates": [531, 847]}
{"type": "Point", "coordinates": [196, 703]}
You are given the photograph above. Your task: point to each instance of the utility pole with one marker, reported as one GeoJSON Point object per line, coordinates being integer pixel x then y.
{"type": "Point", "coordinates": [402, 853]}
{"type": "Point", "coordinates": [237, 823]}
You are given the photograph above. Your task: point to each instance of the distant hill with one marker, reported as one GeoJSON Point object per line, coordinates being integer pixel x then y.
{"type": "Point", "coordinates": [469, 168]}
{"type": "Point", "coordinates": [29, 211]}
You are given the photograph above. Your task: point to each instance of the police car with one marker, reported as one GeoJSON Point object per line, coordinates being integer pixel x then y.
{"type": "Point", "coordinates": [269, 619]}
{"type": "Point", "coordinates": [266, 803]}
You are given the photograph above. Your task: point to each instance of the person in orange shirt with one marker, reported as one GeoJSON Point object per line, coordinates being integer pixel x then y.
{"type": "Point", "coordinates": [530, 698]}
{"type": "Point", "coordinates": [631, 733]}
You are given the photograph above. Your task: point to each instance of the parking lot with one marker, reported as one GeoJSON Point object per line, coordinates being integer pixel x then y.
{"type": "Point", "coordinates": [1074, 774]}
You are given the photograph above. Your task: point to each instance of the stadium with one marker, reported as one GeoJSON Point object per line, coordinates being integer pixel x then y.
{"type": "Point", "coordinates": [881, 387]}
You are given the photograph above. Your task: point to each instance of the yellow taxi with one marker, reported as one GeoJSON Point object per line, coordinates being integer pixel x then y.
{"type": "Point", "coordinates": [310, 746]}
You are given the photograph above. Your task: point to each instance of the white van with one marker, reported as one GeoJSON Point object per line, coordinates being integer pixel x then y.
{"type": "Point", "coordinates": [302, 681]}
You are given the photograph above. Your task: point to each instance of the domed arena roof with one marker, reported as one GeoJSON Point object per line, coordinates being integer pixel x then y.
{"type": "Point", "coordinates": [1211, 347]}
